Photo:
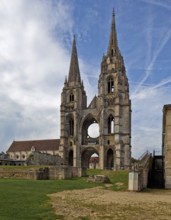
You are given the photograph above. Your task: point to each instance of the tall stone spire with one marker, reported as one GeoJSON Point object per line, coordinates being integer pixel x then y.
{"type": "Point", "coordinates": [74, 72]}
{"type": "Point", "coordinates": [113, 43]}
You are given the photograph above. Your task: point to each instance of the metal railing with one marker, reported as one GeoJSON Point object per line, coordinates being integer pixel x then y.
{"type": "Point", "coordinates": [144, 155]}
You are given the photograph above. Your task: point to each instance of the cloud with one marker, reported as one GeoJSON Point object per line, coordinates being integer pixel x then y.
{"type": "Point", "coordinates": [35, 48]}
{"type": "Point", "coordinates": [33, 65]}
{"type": "Point", "coordinates": [147, 107]}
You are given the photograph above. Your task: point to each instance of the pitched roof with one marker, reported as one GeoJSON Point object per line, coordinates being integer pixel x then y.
{"type": "Point", "coordinates": [39, 145]}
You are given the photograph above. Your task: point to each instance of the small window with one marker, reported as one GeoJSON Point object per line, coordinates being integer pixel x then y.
{"type": "Point", "coordinates": [71, 97]}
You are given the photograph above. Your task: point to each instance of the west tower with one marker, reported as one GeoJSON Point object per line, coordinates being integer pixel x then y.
{"type": "Point", "coordinates": [111, 110]}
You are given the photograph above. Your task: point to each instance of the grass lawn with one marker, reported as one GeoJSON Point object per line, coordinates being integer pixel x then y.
{"type": "Point", "coordinates": [27, 199]}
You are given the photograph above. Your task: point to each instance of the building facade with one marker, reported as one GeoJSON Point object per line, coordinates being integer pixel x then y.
{"type": "Point", "coordinates": [21, 150]}
{"type": "Point", "coordinates": [110, 110]}
{"type": "Point", "coordinates": [166, 144]}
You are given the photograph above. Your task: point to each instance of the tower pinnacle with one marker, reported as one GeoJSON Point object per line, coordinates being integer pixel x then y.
{"type": "Point", "coordinates": [113, 43]}
{"type": "Point", "coordinates": [74, 72]}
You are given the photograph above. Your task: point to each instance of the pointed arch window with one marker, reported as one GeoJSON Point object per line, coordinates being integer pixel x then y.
{"type": "Point", "coordinates": [111, 126]}
{"type": "Point", "coordinates": [71, 97]}
{"type": "Point", "coordinates": [110, 85]}
{"type": "Point", "coordinates": [71, 127]}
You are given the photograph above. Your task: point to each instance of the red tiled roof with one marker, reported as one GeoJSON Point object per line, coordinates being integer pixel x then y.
{"type": "Point", "coordinates": [39, 145]}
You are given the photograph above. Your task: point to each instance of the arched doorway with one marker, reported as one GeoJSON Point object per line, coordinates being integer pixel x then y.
{"type": "Point", "coordinates": [70, 158]}
{"type": "Point", "coordinates": [110, 159]}
{"type": "Point", "coordinates": [86, 158]}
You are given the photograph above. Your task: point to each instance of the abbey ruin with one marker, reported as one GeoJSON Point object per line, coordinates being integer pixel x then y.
{"type": "Point", "coordinates": [110, 111]}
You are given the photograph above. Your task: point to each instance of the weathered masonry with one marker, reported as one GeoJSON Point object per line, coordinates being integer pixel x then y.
{"type": "Point", "coordinates": [110, 110]}
{"type": "Point", "coordinates": [166, 144]}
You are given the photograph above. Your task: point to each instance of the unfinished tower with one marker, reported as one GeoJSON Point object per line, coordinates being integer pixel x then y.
{"type": "Point", "coordinates": [110, 110]}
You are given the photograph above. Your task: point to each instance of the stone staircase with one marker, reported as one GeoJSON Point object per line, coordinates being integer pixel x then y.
{"type": "Point", "coordinates": [149, 171]}
{"type": "Point", "coordinates": [141, 170]}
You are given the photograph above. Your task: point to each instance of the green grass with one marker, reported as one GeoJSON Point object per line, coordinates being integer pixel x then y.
{"type": "Point", "coordinates": [119, 179]}
{"type": "Point", "coordinates": [27, 199]}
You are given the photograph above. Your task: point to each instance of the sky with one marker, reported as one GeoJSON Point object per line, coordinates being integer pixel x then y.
{"type": "Point", "coordinates": [35, 48]}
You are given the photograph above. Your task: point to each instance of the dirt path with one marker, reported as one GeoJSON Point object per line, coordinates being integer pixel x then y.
{"type": "Point", "coordinates": [99, 203]}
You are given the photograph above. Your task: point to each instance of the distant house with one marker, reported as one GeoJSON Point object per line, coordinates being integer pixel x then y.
{"type": "Point", "coordinates": [21, 150]}
{"type": "Point", "coordinates": [5, 160]}
{"type": "Point", "coordinates": [166, 144]}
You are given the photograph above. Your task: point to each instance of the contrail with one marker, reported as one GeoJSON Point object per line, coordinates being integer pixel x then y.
{"type": "Point", "coordinates": [161, 4]}
{"type": "Point", "coordinates": [162, 83]}
{"type": "Point", "coordinates": [150, 66]}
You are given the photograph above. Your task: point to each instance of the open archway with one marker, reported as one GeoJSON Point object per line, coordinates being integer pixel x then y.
{"type": "Point", "coordinates": [86, 157]}
{"type": "Point", "coordinates": [94, 161]}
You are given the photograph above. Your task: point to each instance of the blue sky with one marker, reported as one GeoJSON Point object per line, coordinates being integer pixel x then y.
{"type": "Point", "coordinates": [35, 48]}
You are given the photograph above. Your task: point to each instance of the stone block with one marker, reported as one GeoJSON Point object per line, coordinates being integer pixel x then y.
{"type": "Point", "coordinates": [133, 181]}
{"type": "Point", "coordinates": [98, 179]}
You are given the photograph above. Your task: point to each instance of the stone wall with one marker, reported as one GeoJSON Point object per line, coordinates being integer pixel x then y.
{"type": "Point", "coordinates": [51, 173]}
{"type": "Point", "coordinates": [22, 173]}
{"type": "Point", "coordinates": [65, 172]}
{"type": "Point", "coordinates": [39, 159]}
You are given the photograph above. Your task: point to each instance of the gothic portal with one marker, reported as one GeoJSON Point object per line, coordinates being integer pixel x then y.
{"type": "Point", "coordinates": [111, 110]}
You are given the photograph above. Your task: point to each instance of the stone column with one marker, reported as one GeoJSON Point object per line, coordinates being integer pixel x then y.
{"type": "Point", "coordinates": [101, 157]}
{"type": "Point", "coordinates": [117, 157]}
{"type": "Point", "coordinates": [127, 156]}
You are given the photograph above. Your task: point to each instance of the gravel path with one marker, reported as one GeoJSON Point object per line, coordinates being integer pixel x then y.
{"type": "Point", "coordinates": [100, 203]}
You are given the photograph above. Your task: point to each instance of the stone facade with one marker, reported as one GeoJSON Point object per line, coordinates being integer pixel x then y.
{"type": "Point", "coordinates": [111, 110]}
{"type": "Point", "coordinates": [166, 144]}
